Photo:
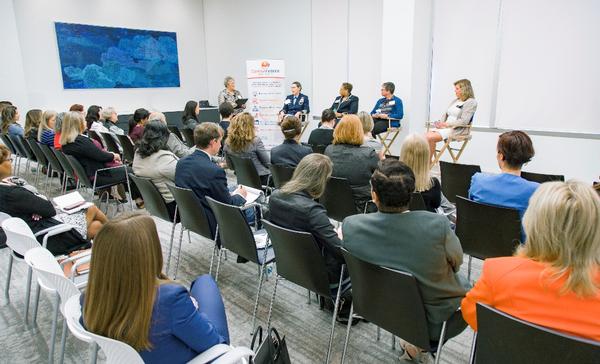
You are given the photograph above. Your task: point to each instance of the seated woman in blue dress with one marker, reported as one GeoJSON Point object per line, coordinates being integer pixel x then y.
{"type": "Point", "coordinates": [295, 104]}
{"type": "Point", "coordinates": [388, 107]}
{"type": "Point", "coordinates": [346, 103]}
{"type": "Point", "coordinates": [129, 298]}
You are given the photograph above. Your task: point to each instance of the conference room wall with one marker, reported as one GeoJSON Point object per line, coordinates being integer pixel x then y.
{"type": "Point", "coordinates": [12, 76]}
{"type": "Point", "coordinates": [40, 61]}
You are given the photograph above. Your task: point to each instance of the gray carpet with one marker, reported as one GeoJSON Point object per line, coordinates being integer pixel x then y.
{"type": "Point", "coordinates": [305, 326]}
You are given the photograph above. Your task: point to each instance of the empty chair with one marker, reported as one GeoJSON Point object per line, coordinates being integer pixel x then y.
{"type": "Point", "coordinates": [486, 231]}
{"type": "Point", "coordinates": [541, 178]}
{"type": "Point", "coordinates": [236, 236]}
{"type": "Point", "coordinates": [502, 338]}
{"type": "Point", "coordinates": [55, 165]}
{"type": "Point", "coordinates": [66, 166]}
{"type": "Point", "coordinates": [338, 199]}
{"type": "Point", "coordinates": [188, 135]}
{"type": "Point", "coordinates": [19, 151]}
{"type": "Point", "coordinates": [456, 179]}
{"type": "Point", "coordinates": [246, 172]}
{"type": "Point", "coordinates": [375, 296]}
{"type": "Point", "coordinates": [299, 261]}
{"type": "Point", "coordinates": [417, 202]}
{"type": "Point", "coordinates": [281, 174]}
{"type": "Point", "coordinates": [111, 143]}
{"type": "Point", "coordinates": [40, 158]}
{"type": "Point", "coordinates": [128, 148]}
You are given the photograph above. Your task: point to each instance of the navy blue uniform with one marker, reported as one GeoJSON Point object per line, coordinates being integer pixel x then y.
{"type": "Point", "coordinates": [294, 104]}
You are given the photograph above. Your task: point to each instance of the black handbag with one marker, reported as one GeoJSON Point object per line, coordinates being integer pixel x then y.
{"type": "Point", "coordinates": [271, 350]}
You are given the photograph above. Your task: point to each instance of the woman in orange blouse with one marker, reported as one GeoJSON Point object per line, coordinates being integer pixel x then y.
{"type": "Point", "coordinates": [554, 279]}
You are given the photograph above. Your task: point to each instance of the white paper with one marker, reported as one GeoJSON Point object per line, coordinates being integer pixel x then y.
{"type": "Point", "coordinates": [252, 194]}
{"type": "Point", "coordinates": [71, 202]}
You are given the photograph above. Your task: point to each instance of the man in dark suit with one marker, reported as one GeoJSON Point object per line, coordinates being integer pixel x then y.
{"type": "Point", "coordinates": [418, 242]}
{"type": "Point", "coordinates": [198, 173]}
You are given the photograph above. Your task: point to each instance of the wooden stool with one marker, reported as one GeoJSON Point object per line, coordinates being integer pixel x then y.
{"type": "Point", "coordinates": [388, 137]}
{"type": "Point", "coordinates": [463, 139]}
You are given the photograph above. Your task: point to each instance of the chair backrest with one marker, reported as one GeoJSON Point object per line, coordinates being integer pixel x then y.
{"type": "Point", "coordinates": [79, 171]}
{"type": "Point", "coordinates": [17, 143]}
{"type": "Point", "coordinates": [110, 142]}
{"type": "Point", "coordinates": [96, 137]}
{"type": "Point", "coordinates": [30, 155]}
{"type": "Point", "coordinates": [191, 211]}
{"type": "Point", "coordinates": [502, 338]}
{"type": "Point", "coordinates": [299, 258]}
{"type": "Point", "coordinates": [19, 236]}
{"type": "Point", "coordinates": [281, 174]}
{"type": "Point", "coordinates": [128, 147]}
{"type": "Point", "coordinates": [338, 199]}
{"type": "Point", "coordinates": [234, 232]}
{"type": "Point", "coordinates": [175, 130]}
{"type": "Point", "coordinates": [320, 148]}
{"type": "Point", "coordinates": [487, 231]}
{"type": "Point", "coordinates": [116, 352]}
{"type": "Point", "coordinates": [390, 299]}
{"type": "Point", "coordinates": [6, 140]}
{"type": "Point", "coordinates": [245, 171]}
{"type": "Point", "coordinates": [39, 155]}
{"type": "Point", "coordinates": [51, 158]}
{"type": "Point", "coordinates": [64, 162]}
{"type": "Point", "coordinates": [416, 202]}
{"type": "Point", "coordinates": [188, 134]}
{"type": "Point", "coordinates": [456, 179]}
{"type": "Point", "coordinates": [541, 178]}
{"type": "Point", "coordinates": [153, 200]}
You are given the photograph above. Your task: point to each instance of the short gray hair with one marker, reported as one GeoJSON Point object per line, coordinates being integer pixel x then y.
{"type": "Point", "coordinates": [366, 120]}
{"type": "Point", "coordinates": [311, 175]}
{"type": "Point", "coordinates": [227, 79]}
{"type": "Point", "coordinates": [157, 116]}
{"type": "Point", "coordinates": [107, 113]}
{"type": "Point", "coordinates": [58, 123]}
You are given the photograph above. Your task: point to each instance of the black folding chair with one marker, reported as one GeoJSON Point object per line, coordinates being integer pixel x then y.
{"type": "Point", "coordinates": [486, 231]}
{"type": "Point", "coordinates": [111, 143]}
{"type": "Point", "coordinates": [318, 148]}
{"type": "Point", "coordinates": [128, 148]}
{"type": "Point", "coordinates": [20, 152]}
{"type": "Point", "coordinates": [299, 261]}
{"type": "Point", "coordinates": [92, 134]}
{"type": "Point", "coordinates": [338, 199]}
{"type": "Point", "coordinates": [55, 165]}
{"type": "Point", "coordinates": [376, 297]}
{"type": "Point", "coordinates": [188, 135]}
{"type": "Point", "coordinates": [237, 237]}
{"type": "Point", "coordinates": [502, 338]}
{"type": "Point", "coordinates": [541, 178]}
{"type": "Point", "coordinates": [246, 172]}
{"type": "Point", "coordinates": [42, 162]}
{"type": "Point", "coordinates": [155, 204]}
{"type": "Point", "coordinates": [456, 179]}
{"type": "Point", "coordinates": [67, 168]}
{"type": "Point", "coordinates": [281, 174]}
{"type": "Point", "coordinates": [175, 130]}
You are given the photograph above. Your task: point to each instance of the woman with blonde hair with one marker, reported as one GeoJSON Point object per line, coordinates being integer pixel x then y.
{"type": "Point", "coordinates": [351, 160]}
{"type": "Point", "coordinates": [457, 117]}
{"type": "Point", "coordinates": [129, 298]}
{"type": "Point", "coordinates": [45, 134]}
{"type": "Point", "coordinates": [367, 123]}
{"type": "Point", "coordinates": [33, 119]}
{"type": "Point", "coordinates": [243, 142]}
{"type": "Point", "coordinates": [415, 154]}
{"type": "Point", "coordinates": [554, 279]}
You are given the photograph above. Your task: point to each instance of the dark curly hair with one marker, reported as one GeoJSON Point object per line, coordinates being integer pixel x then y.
{"type": "Point", "coordinates": [516, 148]}
{"type": "Point", "coordinates": [154, 138]}
{"type": "Point", "coordinates": [393, 182]}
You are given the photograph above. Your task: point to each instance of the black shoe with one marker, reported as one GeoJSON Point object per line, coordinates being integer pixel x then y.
{"type": "Point", "coordinates": [241, 259]}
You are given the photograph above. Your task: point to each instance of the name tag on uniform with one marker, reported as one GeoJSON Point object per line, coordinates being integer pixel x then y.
{"type": "Point", "coordinates": [301, 101]}
{"type": "Point", "coordinates": [393, 102]}
{"type": "Point", "coordinates": [336, 101]}
{"type": "Point", "coordinates": [287, 101]}
{"type": "Point", "coordinates": [378, 111]}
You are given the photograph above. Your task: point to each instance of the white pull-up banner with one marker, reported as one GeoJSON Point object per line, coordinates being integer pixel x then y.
{"type": "Point", "coordinates": [266, 92]}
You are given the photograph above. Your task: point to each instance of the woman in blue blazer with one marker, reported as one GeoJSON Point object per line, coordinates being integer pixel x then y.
{"type": "Point", "coordinates": [295, 104]}
{"type": "Point", "coordinates": [129, 299]}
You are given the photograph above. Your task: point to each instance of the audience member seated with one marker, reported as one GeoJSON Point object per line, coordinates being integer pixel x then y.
{"type": "Point", "coordinates": [230, 95]}
{"type": "Point", "coordinates": [415, 153]}
{"type": "Point", "coordinates": [554, 279]}
{"type": "Point", "coordinates": [77, 107]}
{"type": "Point", "coordinates": [291, 151]}
{"type": "Point", "coordinates": [110, 119]}
{"type": "Point", "coordinates": [91, 157]}
{"type": "Point", "coordinates": [351, 160]}
{"type": "Point", "coordinates": [33, 119]}
{"type": "Point", "coordinates": [153, 160]}
{"type": "Point", "coordinates": [323, 135]}
{"type": "Point", "coordinates": [389, 106]}
{"type": "Point", "coordinates": [22, 200]}
{"type": "Point", "coordinates": [346, 103]}
{"type": "Point", "coordinates": [226, 110]}
{"type": "Point", "coordinates": [200, 174]}
{"type": "Point", "coordinates": [459, 114]}
{"type": "Point", "coordinates": [294, 206]}
{"type": "Point", "coordinates": [10, 118]}
{"type": "Point", "coordinates": [417, 242]}
{"type": "Point", "coordinates": [136, 124]}
{"type": "Point", "coordinates": [45, 133]}
{"type": "Point", "coordinates": [3, 105]}
{"type": "Point", "coordinates": [128, 297]}
{"type": "Point", "coordinates": [174, 144]}
{"type": "Point", "coordinates": [367, 123]}
{"type": "Point", "coordinates": [243, 142]}
{"type": "Point", "coordinates": [295, 104]}
{"type": "Point", "coordinates": [92, 118]}
{"type": "Point", "coordinates": [507, 189]}
{"type": "Point", "coordinates": [189, 118]}
{"type": "Point", "coordinates": [57, 130]}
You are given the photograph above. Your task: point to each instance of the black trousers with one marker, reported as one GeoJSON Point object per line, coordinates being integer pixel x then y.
{"type": "Point", "coordinates": [380, 126]}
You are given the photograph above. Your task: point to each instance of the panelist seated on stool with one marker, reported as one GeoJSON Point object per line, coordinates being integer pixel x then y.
{"type": "Point", "coordinates": [296, 104]}
{"type": "Point", "coordinates": [455, 123]}
{"type": "Point", "coordinates": [346, 103]}
{"type": "Point", "coordinates": [388, 110]}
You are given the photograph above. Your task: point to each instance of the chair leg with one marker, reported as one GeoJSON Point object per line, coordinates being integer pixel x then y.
{"type": "Point", "coordinates": [441, 343]}
{"type": "Point", "coordinates": [378, 333]}
{"type": "Point", "coordinates": [335, 311]}
{"type": "Point", "coordinates": [439, 155]}
{"type": "Point", "coordinates": [393, 342]}
{"type": "Point", "coordinates": [271, 303]}
{"type": "Point", "coordinates": [215, 249]}
{"type": "Point", "coordinates": [8, 276]}
{"type": "Point", "coordinates": [263, 267]}
{"type": "Point", "coordinates": [219, 264]}
{"type": "Point", "coordinates": [173, 235]}
{"type": "Point", "coordinates": [462, 148]}
{"type": "Point", "coordinates": [36, 303]}
{"type": "Point", "coordinates": [94, 352]}
{"type": "Point", "coordinates": [63, 341]}
{"type": "Point", "coordinates": [308, 291]}
{"type": "Point", "coordinates": [28, 293]}
{"type": "Point", "coordinates": [179, 255]}
{"type": "Point", "coordinates": [348, 333]}
{"type": "Point", "coordinates": [469, 269]}
{"type": "Point", "coordinates": [473, 344]}
{"type": "Point", "coordinates": [54, 325]}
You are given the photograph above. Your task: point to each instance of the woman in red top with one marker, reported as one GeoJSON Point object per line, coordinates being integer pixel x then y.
{"type": "Point", "coordinates": [554, 279]}
{"type": "Point", "coordinates": [136, 124]}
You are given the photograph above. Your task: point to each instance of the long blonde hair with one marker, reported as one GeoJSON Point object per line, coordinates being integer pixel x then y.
{"type": "Point", "coordinates": [466, 89]}
{"type": "Point", "coordinates": [311, 175]}
{"type": "Point", "coordinates": [126, 269]}
{"type": "Point", "coordinates": [561, 224]}
{"type": "Point", "coordinates": [241, 132]}
{"type": "Point", "coordinates": [415, 154]}
{"type": "Point", "coordinates": [72, 125]}
{"type": "Point", "coordinates": [46, 117]}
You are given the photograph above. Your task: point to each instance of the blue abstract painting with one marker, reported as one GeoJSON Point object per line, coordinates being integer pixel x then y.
{"type": "Point", "coordinates": [106, 57]}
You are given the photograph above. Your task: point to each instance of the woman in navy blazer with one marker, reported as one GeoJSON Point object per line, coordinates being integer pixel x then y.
{"type": "Point", "coordinates": [129, 299]}
{"type": "Point", "coordinates": [346, 103]}
{"type": "Point", "coordinates": [295, 104]}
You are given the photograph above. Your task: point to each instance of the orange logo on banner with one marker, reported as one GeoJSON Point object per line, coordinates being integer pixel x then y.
{"type": "Point", "coordinates": [265, 64]}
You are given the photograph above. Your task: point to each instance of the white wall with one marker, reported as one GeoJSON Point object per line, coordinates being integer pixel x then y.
{"type": "Point", "coordinates": [37, 38]}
